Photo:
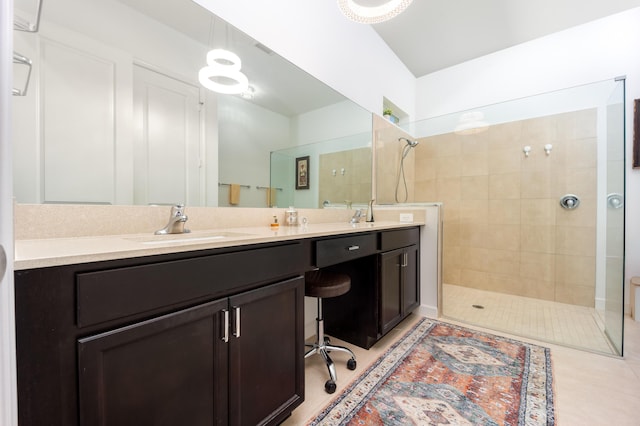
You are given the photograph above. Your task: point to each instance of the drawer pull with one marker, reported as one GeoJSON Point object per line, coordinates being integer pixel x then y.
{"type": "Point", "coordinates": [225, 326]}
{"type": "Point", "coordinates": [352, 248]}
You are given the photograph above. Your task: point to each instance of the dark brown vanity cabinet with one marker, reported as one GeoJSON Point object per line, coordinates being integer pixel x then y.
{"type": "Point", "coordinates": [398, 274]}
{"type": "Point", "coordinates": [384, 285]}
{"type": "Point", "coordinates": [209, 338]}
{"type": "Point", "coordinates": [225, 362]}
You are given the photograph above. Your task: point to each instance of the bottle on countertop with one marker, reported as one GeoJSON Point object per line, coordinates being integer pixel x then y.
{"type": "Point", "coordinates": [291, 217]}
{"type": "Point", "coordinates": [275, 225]}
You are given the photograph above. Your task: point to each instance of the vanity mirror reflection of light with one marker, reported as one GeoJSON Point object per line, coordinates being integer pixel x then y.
{"type": "Point", "coordinates": [115, 113]}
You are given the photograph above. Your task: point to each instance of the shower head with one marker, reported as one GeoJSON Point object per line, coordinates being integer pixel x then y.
{"type": "Point", "coordinates": [411, 143]}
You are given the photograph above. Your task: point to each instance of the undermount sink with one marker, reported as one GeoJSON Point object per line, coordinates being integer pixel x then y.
{"type": "Point", "coordinates": [191, 237]}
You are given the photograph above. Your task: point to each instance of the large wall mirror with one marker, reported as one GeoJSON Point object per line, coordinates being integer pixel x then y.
{"type": "Point", "coordinates": [114, 113]}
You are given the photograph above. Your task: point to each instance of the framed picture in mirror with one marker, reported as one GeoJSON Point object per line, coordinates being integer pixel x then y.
{"type": "Point", "coordinates": [302, 172]}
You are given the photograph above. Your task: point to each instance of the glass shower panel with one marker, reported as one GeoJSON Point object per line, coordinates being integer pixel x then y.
{"type": "Point", "coordinates": [615, 188]}
{"type": "Point", "coordinates": [514, 258]}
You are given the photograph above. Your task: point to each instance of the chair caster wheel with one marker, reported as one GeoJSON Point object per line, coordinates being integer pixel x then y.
{"type": "Point", "coordinates": [351, 364]}
{"type": "Point", "coordinates": [330, 386]}
{"type": "Point", "coordinates": [326, 340]}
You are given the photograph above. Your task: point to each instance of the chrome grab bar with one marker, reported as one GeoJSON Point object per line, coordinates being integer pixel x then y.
{"type": "Point", "coordinates": [21, 24]}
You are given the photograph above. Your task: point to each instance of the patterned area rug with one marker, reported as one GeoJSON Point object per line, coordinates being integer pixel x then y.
{"type": "Point", "coordinates": [442, 374]}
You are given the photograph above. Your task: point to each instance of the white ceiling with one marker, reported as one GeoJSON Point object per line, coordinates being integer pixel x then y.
{"type": "Point", "coordinates": [429, 36]}
{"type": "Point", "coordinates": [435, 34]}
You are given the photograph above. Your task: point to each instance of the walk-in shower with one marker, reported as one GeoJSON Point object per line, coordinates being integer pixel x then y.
{"type": "Point", "coordinates": [533, 217]}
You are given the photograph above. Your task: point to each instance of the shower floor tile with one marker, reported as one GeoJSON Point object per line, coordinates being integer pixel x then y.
{"type": "Point", "coordinates": [569, 325]}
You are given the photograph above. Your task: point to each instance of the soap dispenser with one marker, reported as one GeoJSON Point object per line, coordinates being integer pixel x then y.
{"type": "Point", "coordinates": [370, 211]}
{"type": "Point", "coordinates": [274, 225]}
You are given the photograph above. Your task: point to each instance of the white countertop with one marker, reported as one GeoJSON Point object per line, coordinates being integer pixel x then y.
{"type": "Point", "coordinates": [41, 253]}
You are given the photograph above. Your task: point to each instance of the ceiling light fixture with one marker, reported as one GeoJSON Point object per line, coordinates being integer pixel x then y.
{"type": "Point", "coordinates": [471, 123]}
{"type": "Point", "coordinates": [222, 73]}
{"type": "Point", "coordinates": [371, 11]}
{"type": "Point", "coordinates": [223, 66]}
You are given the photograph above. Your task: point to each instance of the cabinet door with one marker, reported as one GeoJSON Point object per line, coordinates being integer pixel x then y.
{"type": "Point", "coordinates": [266, 353]}
{"type": "Point", "coordinates": [410, 282]}
{"type": "Point", "coordinates": [399, 286]}
{"type": "Point", "coordinates": [390, 289]}
{"type": "Point", "coordinates": [169, 370]}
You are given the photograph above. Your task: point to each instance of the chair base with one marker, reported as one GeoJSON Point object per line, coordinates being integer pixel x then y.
{"type": "Point", "coordinates": [322, 346]}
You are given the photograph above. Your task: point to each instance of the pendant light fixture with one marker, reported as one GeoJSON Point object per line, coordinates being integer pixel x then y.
{"type": "Point", "coordinates": [223, 66]}
{"type": "Point", "coordinates": [222, 73]}
{"type": "Point", "coordinates": [372, 11]}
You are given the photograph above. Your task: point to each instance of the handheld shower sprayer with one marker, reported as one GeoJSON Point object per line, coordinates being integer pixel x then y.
{"type": "Point", "coordinates": [409, 142]}
{"type": "Point", "coordinates": [405, 151]}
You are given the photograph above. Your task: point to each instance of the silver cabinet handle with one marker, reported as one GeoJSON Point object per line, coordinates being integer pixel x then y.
{"type": "Point", "coordinates": [405, 259]}
{"type": "Point", "coordinates": [236, 325]}
{"type": "Point", "coordinates": [225, 326]}
{"type": "Point", "coordinates": [352, 248]}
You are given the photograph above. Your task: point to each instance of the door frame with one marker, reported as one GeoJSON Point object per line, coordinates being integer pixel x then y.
{"type": "Point", "coordinates": [8, 391]}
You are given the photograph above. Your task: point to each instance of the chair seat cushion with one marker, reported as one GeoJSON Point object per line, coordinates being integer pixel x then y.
{"type": "Point", "coordinates": [325, 284]}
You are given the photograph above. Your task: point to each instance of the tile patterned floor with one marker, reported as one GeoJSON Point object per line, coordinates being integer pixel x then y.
{"type": "Point", "coordinates": [590, 389]}
{"type": "Point", "coordinates": [574, 326]}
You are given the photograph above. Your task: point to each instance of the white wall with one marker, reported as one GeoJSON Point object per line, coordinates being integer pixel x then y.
{"type": "Point", "coordinates": [248, 134]}
{"type": "Point", "coordinates": [349, 57]}
{"type": "Point", "coordinates": [338, 120]}
{"type": "Point", "coordinates": [599, 50]}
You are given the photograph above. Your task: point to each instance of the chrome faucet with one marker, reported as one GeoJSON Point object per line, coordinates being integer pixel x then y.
{"type": "Point", "coordinates": [176, 222]}
{"type": "Point", "coordinates": [356, 217]}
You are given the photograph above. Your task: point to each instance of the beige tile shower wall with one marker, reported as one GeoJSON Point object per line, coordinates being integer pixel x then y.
{"type": "Point", "coordinates": [504, 229]}
{"type": "Point", "coordinates": [345, 176]}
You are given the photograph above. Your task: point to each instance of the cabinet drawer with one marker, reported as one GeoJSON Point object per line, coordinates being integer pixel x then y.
{"type": "Point", "coordinates": [390, 240]}
{"type": "Point", "coordinates": [118, 293]}
{"type": "Point", "coordinates": [342, 249]}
